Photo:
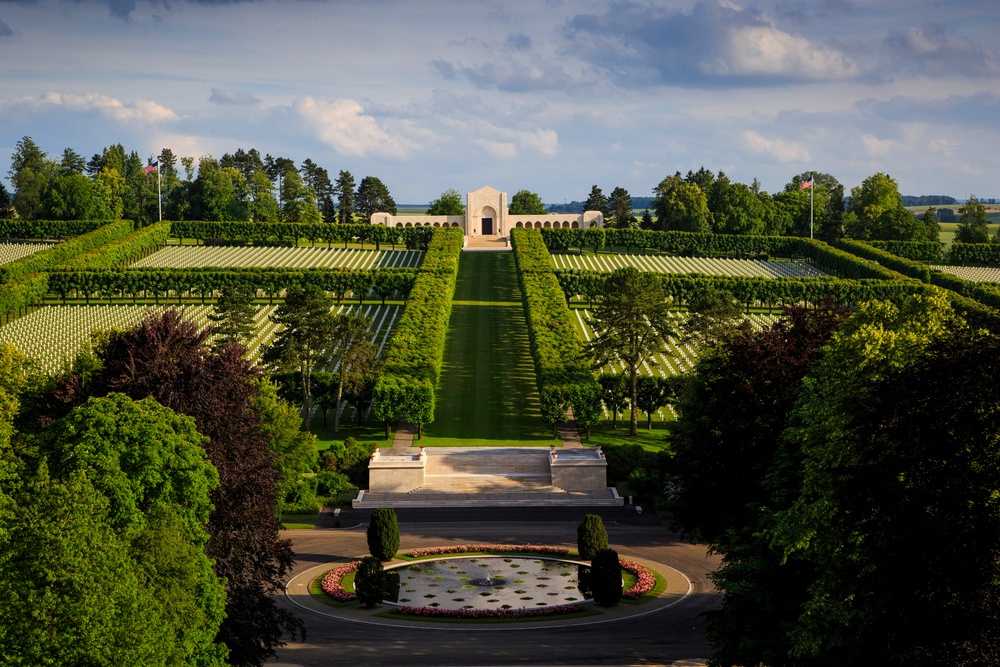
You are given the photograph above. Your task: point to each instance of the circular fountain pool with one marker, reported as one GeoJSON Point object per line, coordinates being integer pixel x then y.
{"type": "Point", "coordinates": [490, 582]}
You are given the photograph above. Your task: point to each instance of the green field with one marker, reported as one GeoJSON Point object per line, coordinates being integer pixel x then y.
{"type": "Point", "coordinates": [486, 394]}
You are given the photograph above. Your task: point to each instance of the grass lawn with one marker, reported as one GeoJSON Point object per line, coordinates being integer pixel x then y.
{"type": "Point", "coordinates": [291, 521]}
{"type": "Point", "coordinates": [486, 395]}
{"type": "Point", "coordinates": [373, 431]}
{"type": "Point", "coordinates": [653, 440]}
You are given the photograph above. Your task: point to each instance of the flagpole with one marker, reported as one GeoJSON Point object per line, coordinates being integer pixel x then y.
{"type": "Point", "coordinates": [159, 192]}
{"type": "Point", "coordinates": [811, 188]}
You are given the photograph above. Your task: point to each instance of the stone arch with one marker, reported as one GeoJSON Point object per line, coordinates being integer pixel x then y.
{"type": "Point", "coordinates": [408, 225]}
{"type": "Point", "coordinates": [454, 224]}
{"type": "Point", "coordinates": [576, 225]}
{"type": "Point", "coordinates": [538, 225]}
{"type": "Point", "coordinates": [399, 224]}
{"type": "Point", "coordinates": [519, 225]}
{"type": "Point", "coordinates": [437, 224]}
{"type": "Point", "coordinates": [565, 224]}
{"type": "Point", "coordinates": [547, 225]}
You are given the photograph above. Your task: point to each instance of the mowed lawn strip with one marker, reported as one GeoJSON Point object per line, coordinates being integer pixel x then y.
{"type": "Point", "coordinates": [486, 394]}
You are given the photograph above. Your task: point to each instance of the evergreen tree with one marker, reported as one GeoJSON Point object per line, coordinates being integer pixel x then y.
{"type": "Point", "coordinates": [29, 174]}
{"type": "Point", "coordinates": [233, 317]}
{"type": "Point", "coordinates": [596, 201]}
{"type": "Point", "coordinates": [373, 197]}
{"type": "Point", "coordinates": [606, 578]}
{"type": "Point", "coordinates": [369, 581]}
{"type": "Point", "coordinates": [620, 204]}
{"type": "Point", "coordinates": [972, 222]}
{"type": "Point", "coordinates": [383, 533]}
{"type": "Point", "coordinates": [304, 342]}
{"type": "Point", "coordinates": [591, 536]}
{"type": "Point", "coordinates": [344, 190]}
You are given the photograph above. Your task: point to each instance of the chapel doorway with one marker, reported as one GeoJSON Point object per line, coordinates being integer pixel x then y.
{"type": "Point", "coordinates": [487, 226]}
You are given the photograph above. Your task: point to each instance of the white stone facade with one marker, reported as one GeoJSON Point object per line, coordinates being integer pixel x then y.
{"type": "Point", "coordinates": [486, 215]}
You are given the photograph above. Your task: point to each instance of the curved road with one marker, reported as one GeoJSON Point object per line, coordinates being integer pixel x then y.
{"type": "Point", "coordinates": [671, 636]}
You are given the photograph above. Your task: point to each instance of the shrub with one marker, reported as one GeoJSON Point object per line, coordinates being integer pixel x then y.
{"type": "Point", "coordinates": [383, 533]}
{"type": "Point", "coordinates": [331, 483]}
{"type": "Point", "coordinates": [606, 578]}
{"type": "Point", "coordinates": [369, 582]}
{"type": "Point", "coordinates": [591, 536]}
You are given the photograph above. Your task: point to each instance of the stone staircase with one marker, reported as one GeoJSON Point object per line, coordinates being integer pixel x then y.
{"type": "Point", "coordinates": [494, 243]}
{"type": "Point", "coordinates": [487, 477]}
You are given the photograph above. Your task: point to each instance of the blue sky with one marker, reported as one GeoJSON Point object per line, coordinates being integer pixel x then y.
{"type": "Point", "coordinates": [549, 95]}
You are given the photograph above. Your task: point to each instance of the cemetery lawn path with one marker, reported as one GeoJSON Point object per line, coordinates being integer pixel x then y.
{"type": "Point", "coordinates": [486, 394]}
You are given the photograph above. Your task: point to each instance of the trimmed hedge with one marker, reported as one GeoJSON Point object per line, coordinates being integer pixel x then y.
{"type": "Point", "coordinates": [562, 369]}
{"type": "Point", "coordinates": [767, 292]}
{"type": "Point", "coordinates": [412, 364]}
{"type": "Point", "coordinates": [907, 267]}
{"type": "Point", "coordinates": [17, 297]}
{"type": "Point", "coordinates": [124, 251]}
{"type": "Point", "coordinates": [981, 254]}
{"type": "Point", "coordinates": [167, 283]}
{"type": "Point", "coordinates": [48, 229]}
{"type": "Point", "coordinates": [46, 259]}
{"type": "Point", "coordinates": [921, 251]}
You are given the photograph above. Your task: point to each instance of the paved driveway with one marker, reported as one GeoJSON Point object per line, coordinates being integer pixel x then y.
{"type": "Point", "coordinates": [674, 635]}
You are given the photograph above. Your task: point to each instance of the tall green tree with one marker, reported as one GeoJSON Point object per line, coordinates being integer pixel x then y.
{"type": "Point", "coordinates": [72, 162]}
{"type": "Point", "coordinates": [344, 189]}
{"type": "Point", "coordinates": [6, 205]}
{"type": "Point", "coordinates": [525, 202]}
{"type": "Point", "coordinates": [681, 206]}
{"type": "Point", "coordinates": [29, 174]}
{"type": "Point", "coordinates": [631, 324]}
{"type": "Point", "coordinates": [317, 179]}
{"type": "Point", "coordinates": [353, 357]}
{"type": "Point", "coordinates": [69, 196]}
{"type": "Point", "coordinates": [167, 357]}
{"type": "Point", "coordinates": [614, 394]}
{"type": "Point", "coordinates": [620, 204]}
{"type": "Point", "coordinates": [303, 345]}
{"type": "Point", "coordinates": [972, 222]}
{"type": "Point", "coordinates": [449, 203]}
{"type": "Point", "coordinates": [109, 194]}
{"type": "Point", "coordinates": [233, 317]}
{"type": "Point", "coordinates": [294, 449]}
{"type": "Point", "coordinates": [597, 201]}
{"type": "Point", "coordinates": [373, 197]}
{"type": "Point", "coordinates": [299, 200]}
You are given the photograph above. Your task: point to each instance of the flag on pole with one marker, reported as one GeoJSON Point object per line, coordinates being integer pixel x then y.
{"type": "Point", "coordinates": [806, 184]}
{"type": "Point", "coordinates": [150, 168]}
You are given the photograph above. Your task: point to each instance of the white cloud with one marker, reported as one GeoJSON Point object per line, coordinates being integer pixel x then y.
{"type": "Point", "coordinates": [779, 149]}
{"type": "Point", "coordinates": [877, 148]}
{"type": "Point", "coordinates": [138, 111]}
{"type": "Point", "coordinates": [768, 51]}
{"type": "Point", "coordinates": [343, 125]}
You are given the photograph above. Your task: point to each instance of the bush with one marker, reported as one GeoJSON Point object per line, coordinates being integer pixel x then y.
{"type": "Point", "coordinates": [331, 483]}
{"type": "Point", "coordinates": [383, 533]}
{"type": "Point", "coordinates": [606, 578]}
{"type": "Point", "coordinates": [369, 582]}
{"type": "Point", "coordinates": [591, 536]}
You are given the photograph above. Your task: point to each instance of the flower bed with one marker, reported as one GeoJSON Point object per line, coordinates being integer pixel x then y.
{"type": "Point", "coordinates": [488, 548]}
{"type": "Point", "coordinates": [645, 580]}
{"type": "Point", "coordinates": [331, 582]}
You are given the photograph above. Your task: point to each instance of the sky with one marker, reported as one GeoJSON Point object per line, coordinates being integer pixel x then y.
{"type": "Point", "coordinates": [552, 96]}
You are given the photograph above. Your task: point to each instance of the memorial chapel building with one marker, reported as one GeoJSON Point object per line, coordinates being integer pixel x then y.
{"type": "Point", "coordinates": [486, 215]}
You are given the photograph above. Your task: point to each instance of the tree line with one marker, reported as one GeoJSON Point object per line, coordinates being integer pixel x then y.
{"type": "Point", "coordinates": [117, 184]}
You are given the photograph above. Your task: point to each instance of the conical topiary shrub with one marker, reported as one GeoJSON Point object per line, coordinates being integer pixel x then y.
{"type": "Point", "coordinates": [369, 582]}
{"type": "Point", "coordinates": [606, 578]}
{"type": "Point", "coordinates": [383, 533]}
{"type": "Point", "coordinates": [591, 536]}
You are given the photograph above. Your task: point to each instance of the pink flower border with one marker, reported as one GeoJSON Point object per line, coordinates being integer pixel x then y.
{"type": "Point", "coordinates": [331, 583]}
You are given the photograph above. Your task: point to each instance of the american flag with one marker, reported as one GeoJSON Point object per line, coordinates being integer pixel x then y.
{"type": "Point", "coordinates": [150, 168]}
{"type": "Point", "coordinates": [806, 184]}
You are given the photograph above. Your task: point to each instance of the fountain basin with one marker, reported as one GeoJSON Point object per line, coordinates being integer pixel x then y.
{"type": "Point", "coordinates": [490, 583]}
